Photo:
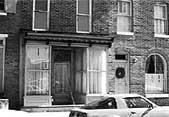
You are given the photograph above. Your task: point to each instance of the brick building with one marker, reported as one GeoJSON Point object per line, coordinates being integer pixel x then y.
{"type": "Point", "coordinates": [69, 51]}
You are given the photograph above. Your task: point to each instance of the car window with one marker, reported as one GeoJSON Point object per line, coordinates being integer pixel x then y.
{"type": "Point", "coordinates": [109, 103]}
{"type": "Point", "coordinates": [137, 102]}
{"type": "Point", "coordinates": [104, 103]}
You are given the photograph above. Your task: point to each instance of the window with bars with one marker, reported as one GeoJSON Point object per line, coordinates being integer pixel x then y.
{"type": "Point", "coordinates": [160, 19]}
{"type": "Point", "coordinates": [37, 68]}
{"type": "Point", "coordinates": [124, 18]}
{"type": "Point", "coordinates": [41, 15]}
{"type": "Point", "coordinates": [83, 16]}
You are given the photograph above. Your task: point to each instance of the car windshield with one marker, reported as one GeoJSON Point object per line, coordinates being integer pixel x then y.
{"type": "Point", "coordinates": [103, 103]}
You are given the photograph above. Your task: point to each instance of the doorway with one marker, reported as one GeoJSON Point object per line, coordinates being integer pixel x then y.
{"type": "Point", "coordinates": [61, 77]}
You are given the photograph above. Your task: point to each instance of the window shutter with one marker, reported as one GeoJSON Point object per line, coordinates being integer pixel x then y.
{"type": "Point", "coordinates": [10, 6]}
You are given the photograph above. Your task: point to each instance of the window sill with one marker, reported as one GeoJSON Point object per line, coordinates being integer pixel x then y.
{"type": "Point", "coordinates": [161, 35]}
{"type": "Point", "coordinates": [125, 33]}
{"type": "Point", "coordinates": [156, 95]}
{"type": "Point", "coordinates": [3, 13]}
{"type": "Point", "coordinates": [3, 35]}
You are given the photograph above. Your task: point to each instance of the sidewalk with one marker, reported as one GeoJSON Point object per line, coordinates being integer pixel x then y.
{"type": "Point", "coordinates": [49, 114]}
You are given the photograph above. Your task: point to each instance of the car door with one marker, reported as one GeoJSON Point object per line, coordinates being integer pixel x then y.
{"type": "Point", "coordinates": [108, 108]}
{"type": "Point", "coordinates": [137, 106]}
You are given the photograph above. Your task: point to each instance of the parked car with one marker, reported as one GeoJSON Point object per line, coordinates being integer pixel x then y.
{"type": "Point", "coordinates": [121, 105]}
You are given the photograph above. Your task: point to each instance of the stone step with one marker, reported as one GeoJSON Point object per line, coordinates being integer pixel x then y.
{"type": "Point", "coordinates": [53, 108]}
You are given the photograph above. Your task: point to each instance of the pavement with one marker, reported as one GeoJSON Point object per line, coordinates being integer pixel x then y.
{"type": "Point", "coordinates": [49, 114]}
{"type": "Point", "coordinates": [14, 113]}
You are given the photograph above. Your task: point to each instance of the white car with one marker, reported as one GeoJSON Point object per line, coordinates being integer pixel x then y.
{"type": "Point", "coordinates": [122, 105]}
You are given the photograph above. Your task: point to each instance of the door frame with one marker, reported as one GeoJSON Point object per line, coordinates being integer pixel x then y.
{"type": "Point", "coordinates": [71, 64]}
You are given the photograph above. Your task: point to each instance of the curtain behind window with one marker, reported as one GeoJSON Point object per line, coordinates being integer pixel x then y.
{"type": "Point", "coordinates": [97, 70]}
{"type": "Point", "coordinates": [37, 70]}
{"type": "Point", "coordinates": [90, 70]}
{"type": "Point", "coordinates": [160, 19]}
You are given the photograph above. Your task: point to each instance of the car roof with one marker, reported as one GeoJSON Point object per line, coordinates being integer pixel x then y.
{"type": "Point", "coordinates": [122, 95]}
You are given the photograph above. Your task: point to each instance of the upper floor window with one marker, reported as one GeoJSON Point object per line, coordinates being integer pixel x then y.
{"type": "Point", "coordinates": [7, 6]}
{"type": "Point", "coordinates": [124, 16]}
{"type": "Point", "coordinates": [83, 20]}
{"type": "Point", "coordinates": [41, 15]}
{"type": "Point", "coordinates": [160, 19]}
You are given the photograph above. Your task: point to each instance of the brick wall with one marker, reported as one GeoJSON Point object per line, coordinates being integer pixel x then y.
{"type": "Point", "coordinates": [139, 45]}
{"type": "Point", "coordinates": [63, 16]}
{"type": "Point", "coordinates": [10, 25]}
{"type": "Point", "coordinates": [104, 21]}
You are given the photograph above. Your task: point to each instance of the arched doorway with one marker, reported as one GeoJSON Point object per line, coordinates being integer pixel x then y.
{"type": "Point", "coordinates": [155, 74]}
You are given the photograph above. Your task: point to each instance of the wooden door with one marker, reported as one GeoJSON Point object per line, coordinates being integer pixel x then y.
{"type": "Point", "coordinates": [61, 87]}
{"type": "Point", "coordinates": [121, 78]}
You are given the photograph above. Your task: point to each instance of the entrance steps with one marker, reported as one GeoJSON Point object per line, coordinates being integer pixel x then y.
{"type": "Point", "coordinates": [53, 108]}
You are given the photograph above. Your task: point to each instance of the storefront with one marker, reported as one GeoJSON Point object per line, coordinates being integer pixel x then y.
{"type": "Point", "coordinates": [63, 69]}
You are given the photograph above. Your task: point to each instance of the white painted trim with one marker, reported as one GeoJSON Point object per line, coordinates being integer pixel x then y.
{"type": "Point", "coordinates": [3, 35]}
{"type": "Point", "coordinates": [3, 13]}
{"type": "Point", "coordinates": [161, 35]}
{"type": "Point", "coordinates": [89, 15]}
{"type": "Point", "coordinates": [87, 73]}
{"type": "Point", "coordinates": [125, 33]}
{"type": "Point", "coordinates": [33, 18]}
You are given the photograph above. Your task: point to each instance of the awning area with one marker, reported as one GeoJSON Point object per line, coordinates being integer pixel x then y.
{"type": "Point", "coordinates": [70, 38]}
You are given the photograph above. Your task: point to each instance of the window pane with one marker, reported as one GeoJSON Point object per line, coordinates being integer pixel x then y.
{"type": "Point", "coordinates": [97, 70]}
{"type": "Point", "coordinates": [41, 5]}
{"type": "Point", "coordinates": [37, 71]}
{"type": "Point", "coordinates": [40, 20]}
{"type": "Point", "coordinates": [123, 24]}
{"type": "Point", "coordinates": [164, 12]}
{"type": "Point", "coordinates": [1, 70]}
{"type": "Point", "coordinates": [154, 83]}
{"type": "Point", "coordinates": [124, 8]}
{"type": "Point", "coordinates": [120, 7]}
{"type": "Point", "coordinates": [37, 83]}
{"type": "Point", "coordinates": [83, 23]}
{"type": "Point", "coordinates": [83, 6]}
{"type": "Point", "coordinates": [81, 74]}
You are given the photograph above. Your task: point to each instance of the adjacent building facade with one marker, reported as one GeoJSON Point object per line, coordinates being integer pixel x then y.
{"type": "Point", "coordinates": [57, 52]}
